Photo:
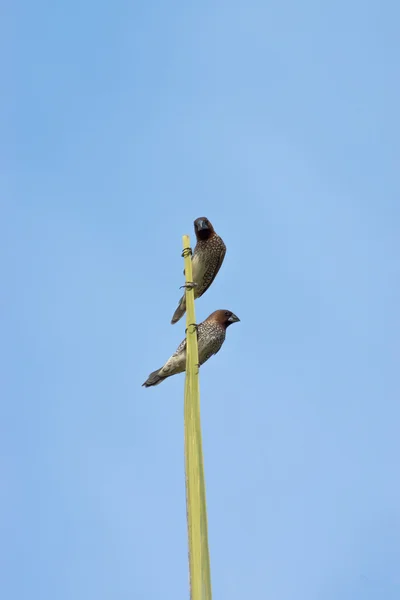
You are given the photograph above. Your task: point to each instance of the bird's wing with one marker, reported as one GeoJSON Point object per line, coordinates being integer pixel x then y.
{"type": "Point", "coordinates": [176, 362]}
{"type": "Point", "coordinates": [211, 274]}
{"type": "Point", "coordinates": [180, 348]}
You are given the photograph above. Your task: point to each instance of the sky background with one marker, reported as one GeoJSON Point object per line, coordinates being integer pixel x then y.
{"type": "Point", "coordinates": [122, 122]}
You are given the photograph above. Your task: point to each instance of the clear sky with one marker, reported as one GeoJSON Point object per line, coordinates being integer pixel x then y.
{"type": "Point", "coordinates": [123, 122]}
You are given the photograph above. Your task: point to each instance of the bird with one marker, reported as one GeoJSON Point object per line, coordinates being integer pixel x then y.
{"type": "Point", "coordinates": [210, 336]}
{"type": "Point", "coordinates": [208, 256]}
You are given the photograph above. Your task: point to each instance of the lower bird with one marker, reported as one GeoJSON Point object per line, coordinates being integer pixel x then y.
{"type": "Point", "coordinates": [210, 336]}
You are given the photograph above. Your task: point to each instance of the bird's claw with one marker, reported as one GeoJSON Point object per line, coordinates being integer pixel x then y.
{"type": "Point", "coordinates": [196, 327]}
{"type": "Point", "coordinates": [186, 252]}
{"type": "Point", "coordinates": [189, 285]}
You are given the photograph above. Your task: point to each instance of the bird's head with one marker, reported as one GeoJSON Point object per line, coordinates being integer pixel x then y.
{"type": "Point", "coordinates": [223, 317]}
{"type": "Point", "coordinates": [203, 228]}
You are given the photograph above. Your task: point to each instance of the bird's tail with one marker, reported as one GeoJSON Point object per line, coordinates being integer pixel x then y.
{"type": "Point", "coordinates": [154, 379]}
{"type": "Point", "coordinates": [180, 311]}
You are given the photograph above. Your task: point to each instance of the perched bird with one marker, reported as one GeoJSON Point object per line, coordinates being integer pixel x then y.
{"type": "Point", "coordinates": [207, 259]}
{"type": "Point", "coordinates": [210, 336]}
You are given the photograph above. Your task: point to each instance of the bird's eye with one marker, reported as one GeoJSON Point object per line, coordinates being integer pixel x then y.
{"type": "Point", "coordinates": [227, 314]}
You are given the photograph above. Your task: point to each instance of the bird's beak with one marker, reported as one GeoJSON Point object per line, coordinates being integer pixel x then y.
{"type": "Point", "coordinates": [233, 319]}
{"type": "Point", "coordinates": [201, 225]}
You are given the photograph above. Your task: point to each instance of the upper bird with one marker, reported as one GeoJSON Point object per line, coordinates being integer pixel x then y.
{"type": "Point", "coordinates": [210, 336]}
{"type": "Point", "coordinates": [207, 259]}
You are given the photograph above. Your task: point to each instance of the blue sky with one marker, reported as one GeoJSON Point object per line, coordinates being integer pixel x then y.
{"type": "Point", "coordinates": [123, 122]}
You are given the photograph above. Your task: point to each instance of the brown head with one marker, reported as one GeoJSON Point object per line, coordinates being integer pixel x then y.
{"type": "Point", "coordinates": [203, 228]}
{"type": "Point", "coordinates": [223, 317]}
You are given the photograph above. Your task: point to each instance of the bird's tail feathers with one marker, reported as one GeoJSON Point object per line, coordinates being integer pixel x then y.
{"type": "Point", "coordinates": [180, 311]}
{"type": "Point", "coordinates": [154, 379]}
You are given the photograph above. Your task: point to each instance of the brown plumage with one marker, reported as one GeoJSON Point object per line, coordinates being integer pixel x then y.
{"type": "Point", "coordinates": [207, 259]}
{"type": "Point", "coordinates": [210, 336]}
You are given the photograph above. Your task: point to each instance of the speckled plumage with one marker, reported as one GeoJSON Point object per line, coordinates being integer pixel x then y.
{"type": "Point", "coordinates": [210, 336]}
{"type": "Point", "coordinates": [207, 259]}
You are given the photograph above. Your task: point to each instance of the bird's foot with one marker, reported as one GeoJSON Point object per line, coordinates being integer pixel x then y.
{"type": "Point", "coordinates": [189, 285]}
{"type": "Point", "coordinates": [186, 252]}
{"type": "Point", "coordinates": [196, 327]}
